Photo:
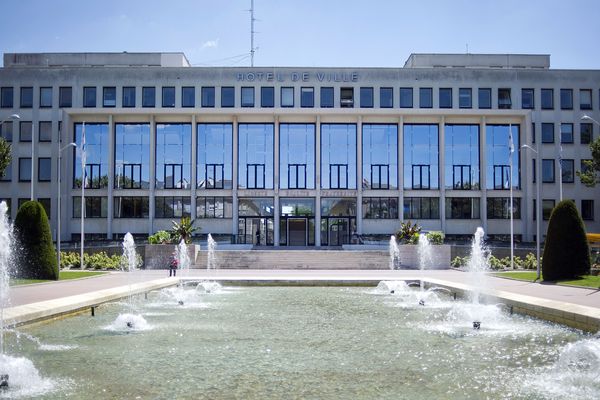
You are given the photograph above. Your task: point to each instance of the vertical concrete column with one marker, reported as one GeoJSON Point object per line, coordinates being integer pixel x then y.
{"type": "Point", "coordinates": [276, 181]}
{"type": "Point", "coordinates": [401, 167]}
{"type": "Point", "coordinates": [441, 171]}
{"type": "Point", "coordinates": [359, 177]}
{"type": "Point", "coordinates": [151, 200]}
{"type": "Point", "coordinates": [234, 179]}
{"type": "Point", "coordinates": [483, 172]}
{"type": "Point", "coordinates": [318, 181]}
{"type": "Point", "coordinates": [33, 150]}
{"type": "Point", "coordinates": [66, 170]}
{"type": "Point", "coordinates": [193, 162]}
{"type": "Point", "coordinates": [526, 156]}
{"type": "Point", "coordinates": [111, 177]}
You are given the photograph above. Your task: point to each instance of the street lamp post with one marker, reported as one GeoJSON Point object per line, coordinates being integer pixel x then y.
{"type": "Point", "coordinates": [12, 116]}
{"type": "Point", "coordinates": [537, 208]}
{"type": "Point", "coordinates": [59, 204]}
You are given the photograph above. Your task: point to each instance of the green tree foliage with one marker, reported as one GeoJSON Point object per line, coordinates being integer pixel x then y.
{"type": "Point", "coordinates": [566, 251]}
{"type": "Point", "coordinates": [5, 156]}
{"type": "Point", "coordinates": [183, 230]}
{"type": "Point", "coordinates": [590, 176]}
{"type": "Point", "coordinates": [36, 257]}
{"type": "Point", "coordinates": [408, 233]}
{"type": "Point", "coordinates": [160, 237]}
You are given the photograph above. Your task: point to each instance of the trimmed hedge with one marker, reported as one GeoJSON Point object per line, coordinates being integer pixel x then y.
{"type": "Point", "coordinates": [566, 251]}
{"type": "Point", "coordinates": [36, 258]}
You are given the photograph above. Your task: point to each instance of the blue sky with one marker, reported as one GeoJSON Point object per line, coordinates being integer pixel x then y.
{"type": "Point", "coordinates": [308, 32]}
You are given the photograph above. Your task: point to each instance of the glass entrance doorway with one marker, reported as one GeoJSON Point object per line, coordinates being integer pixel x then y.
{"type": "Point", "coordinates": [297, 231]}
{"type": "Point", "coordinates": [255, 231]}
{"type": "Point", "coordinates": [297, 222]}
{"type": "Point", "coordinates": [338, 230]}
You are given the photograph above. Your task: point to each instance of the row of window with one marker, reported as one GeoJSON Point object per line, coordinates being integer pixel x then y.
{"type": "Point", "coordinates": [287, 97]}
{"type": "Point", "coordinates": [372, 207]}
{"type": "Point", "coordinates": [567, 168]}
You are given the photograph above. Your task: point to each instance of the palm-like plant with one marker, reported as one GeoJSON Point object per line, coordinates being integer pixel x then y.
{"type": "Point", "coordinates": [183, 230]}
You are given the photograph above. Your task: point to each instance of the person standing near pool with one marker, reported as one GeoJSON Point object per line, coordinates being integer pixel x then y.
{"type": "Point", "coordinates": [173, 264]}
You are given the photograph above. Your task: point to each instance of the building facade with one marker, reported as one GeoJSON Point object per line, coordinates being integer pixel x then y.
{"type": "Point", "coordinates": [297, 156]}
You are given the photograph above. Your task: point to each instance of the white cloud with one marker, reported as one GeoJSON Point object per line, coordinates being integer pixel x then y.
{"type": "Point", "coordinates": [211, 43]}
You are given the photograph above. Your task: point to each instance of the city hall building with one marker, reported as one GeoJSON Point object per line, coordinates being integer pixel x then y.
{"type": "Point", "coordinates": [297, 156]}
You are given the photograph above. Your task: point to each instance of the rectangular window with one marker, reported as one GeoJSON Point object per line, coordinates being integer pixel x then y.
{"type": "Point", "coordinates": [173, 156]}
{"type": "Point", "coordinates": [462, 157]}
{"type": "Point", "coordinates": [227, 96]}
{"type": "Point", "coordinates": [421, 208]}
{"type": "Point", "coordinates": [128, 96]}
{"type": "Point", "coordinates": [44, 169]}
{"type": "Point", "coordinates": [338, 156]}
{"type": "Point", "coordinates": [95, 207]}
{"type": "Point", "coordinates": [307, 97]}
{"type": "Point", "coordinates": [24, 169]}
{"type": "Point", "coordinates": [172, 207]}
{"type": "Point", "coordinates": [566, 133]}
{"type": "Point", "coordinates": [287, 97]}
{"type": "Point", "coordinates": [425, 97]}
{"type": "Point", "coordinates": [421, 156]}
{"type": "Point", "coordinates": [6, 130]}
{"type": "Point", "coordinates": [465, 98]}
{"type": "Point", "coordinates": [255, 155]}
{"type": "Point", "coordinates": [568, 170]}
{"type": "Point", "coordinates": [586, 132]}
{"type": "Point", "coordinates": [327, 97]}
{"type": "Point", "coordinates": [547, 99]}
{"type": "Point", "coordinates": [109, 96]}
{"type": "Point", "coordinates": [65, 96]}
{"type": "Point", "coordinates": [380, 207]}
{"type": "Point", "coordinates": [214, 207]}
{"type": "Point", "coordinates": [214, 162]}
{"type": "Point", "coordinates": [45, 131]}
{"type": "Point", "coordinates": [95, 174]}
{"type": "Point", "coordinates": [366, 97]}
{"type": "Point", "coordinates": [499, 156]}
{"type": "Point", "coordinates": [499, 208]}
{"type": "Point", "coordinates": [347, 97]}
{"type": "Point", "coordinates": [296, 156]}
{"type": "Point", "coordinates": [386, 97]}
{"type": "Point", "coordinates": [26, 97]}
{"type": "Point", "coordinates": [207, 94]}
{"type": "Point", "coordinates": [527, 99]}
{"type": "Point", "coordinates": [45, 97]}
{"type": "Point", "coordinates": [7, 174]}
{"type": "Point", "coordinates": [6, 97]}
{"type": "Point", "coordinates": [188, 96]}
{"type": "Point", "coordinates": [548, 170]}
{"type": "Point", "coordinates": [547, 207]}
{"type": "Point", "coordinates": [445, 97]}
{"type": "Point", "coordinates": [566, 99]}
{"type": "Point", "coordinates": [406, 97]}
{"type": "Point", "coordinates": [267, 96]}
{"type": "Point", "coordinates": [130, 207]}
{"type": "Point", "coordinates": [504, 100]}
{"type": "Point", "coordinates": [132, 156]}
{"type": "Point", "coordinates": [587, 210]}
{"type": "Point", "coordinates": [148, 96]}
{"type": "Point", "coordinates": [247, 96]}
{"type": "Point", "coordinates": [25, 131]}
{"type": "Point", "coordinates": [547, 132]}
{"type": "Point", "coordinates": [89, 96]}
{"type": "Point", "coordinates": [462, 208]}
{"type": "Point", "coordinates": [585, 99]}
{"type": "Point", "coordinates": [168, 96]}
{"type": "Point", "coordinates": [485, 98]}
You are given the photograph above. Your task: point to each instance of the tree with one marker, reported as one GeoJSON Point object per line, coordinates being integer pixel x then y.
{"type": "Point", "coordinates": [590, 175]}
{"type": "Point", "coordinates": [36, 256]}
{"type": "Point", "coordinates": [5, 156]}
{"type": "Point", "coordinates": [183, 230]}
{"type": "Point", "coordinates": [566, 251]}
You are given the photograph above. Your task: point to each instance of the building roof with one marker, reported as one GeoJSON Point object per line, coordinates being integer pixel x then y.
{"type": "Point", "coordinates": [123, 59]}
{"type": "Point", "coordinates": [538, 61]}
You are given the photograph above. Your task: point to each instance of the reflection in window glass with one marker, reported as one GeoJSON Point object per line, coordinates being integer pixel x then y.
{"type": "Point", "coordinates": [307, 97]}
{"type": "Point", "coordinates": [128, 96]}
{"type": "Point", "coordinates": [380, 207]}
{"type": "Point", "coordinates": [45, 97]}
{"type": "Point", "coordinates": [568, 170]}
{"type": "Point", "coordinates": [445, 97]}
{"type": "Point", "coordinates": [227, 96]}
{"type": "Point", "coordinates": [44, 169]}
{"type": "Point", "coordinates": [168, 96]}
{"type": "Point", "coordinates": [172, 207]}
{"type": "Point", "coordinates": [214, 207]}
{"type": "Point", "coordinates": [566, 133]}
{"type": "Point", "coordinates": [45, 131]}
{"type": "Point", "coordinates": [25, 131]}
{"type": "Point", "coordinates": [406, 97]}
{"type": "Point", "coordinates": [132, 156]}
{"type": "Point", "coordinates": [208, 96]}
{"type": "Point", "coordinates": [386, 97]}
{"type": "Point", "coordinates": [380, 156]}
{"type": "Point", "coordinates": [256, 207]}
{"type": "Point", "coordinates": [462, 157]}
{"type": "Point", "coordinates": [499, 208]}
{"type": "Point", "coordinates": [462, 208]}
{"type": "Point", "coordinates": [425, 97]}
{"type": "Point", "coordinates": [566, 99]}
{"type": "Point", "coordinates": [188, 96]}
{"type": "Point", "coordinates": [421, 153]}
{"type": "Point", "coordinates": [255, 154]}
{"type": "Point", "coordinates": [97, 151]}
{"type": "Point", "coordinates": [585, 99]}
{"type": "Point", "coordinates": [6, 97]}
{"type": "Point", "coordinates": [130, 207]}
{"type": "Point", "coordinates": [498, 156]}
{"type": "Point", "coordinates": [338, 207]}
{"type": "Point", "coordinates": [327, 97]}
{"type": "Point", "coordinates": [485, 98]}
{"type": "Point", "coordinates": [586, 133]}
{"type": "Point", "coordinates": [421, 208]}
{"type": "Point", "coordinates": [296, 156]}
{"type": "Point", "coordinates": [465, 98]}
{"type": "Point", "coordinates": [247, 97]}
{"type": "Point", "coordinates": [215, 149]}
{"type": "Point", "coordinates": [366, 97]}
{"type": "Point", "coordinates": [267, 96]}
{"type": "Point", "coordinates": [27, 97]}
{"type": "Point", "coordinates": [338, 156]}
{"type": "Point", "coordinates": [547, 132]}
{"type": "Point", "coordinates": [547, 99]}
{"type": "Point", "coordinates": [527, 99]}
{"type": "Point", "coordinates": [24, 169]}
{"type": "Point", "coordinates": [287, 97]}
{"type": "Point", "coordinates": [89, 97]}
{"type": "Point", "coordinates": [548, 170]}
{"type": "Point", "coordinates": [504, 100]}
{"type": "Point", "coordinates": [148, 96]}
{"type": "Point", "coordinates": [109, 96]}
{"type": "Point", "coordinates": [65, 96]}
{"type": "Point", "coordinates": [95, 207]}
{"type": "Point", "coordinates": [173, 156]}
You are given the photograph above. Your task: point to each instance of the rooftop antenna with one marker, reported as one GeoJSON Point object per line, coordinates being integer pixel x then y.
{"type": "Point", "coordinates": [252, 49]}
{"type": "Point", "coordinates": [467, 48]}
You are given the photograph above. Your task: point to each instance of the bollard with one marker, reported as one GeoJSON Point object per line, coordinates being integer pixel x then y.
{"type": "Point", "coordinates": [93, 311]}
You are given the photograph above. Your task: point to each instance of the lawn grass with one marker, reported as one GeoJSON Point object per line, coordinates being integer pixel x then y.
{"type": "Point", "coordinates": [62, 276]}
{"type": "Point", "coordinates": [586, 280]}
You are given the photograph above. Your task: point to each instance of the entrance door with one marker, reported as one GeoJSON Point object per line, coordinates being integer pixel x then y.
{"type": "Point", "coordinates": [297, 229]}
{"type": "Point", "coordinates": [339, 231]}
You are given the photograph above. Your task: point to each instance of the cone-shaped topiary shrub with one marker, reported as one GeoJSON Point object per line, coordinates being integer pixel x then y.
{"type": "Point", "coordinates": [566, 251]}
{"type": "Point", "coordinates": [36, 258]}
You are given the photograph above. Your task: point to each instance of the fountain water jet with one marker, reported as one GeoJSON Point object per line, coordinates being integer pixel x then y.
{"type": "Point", "coordinates": [5, 258]}
{"type": "Point", "coordinates": [394, 251]}
{"type": "Point", "coordinates": [425, 256]}
{"type": "Point", "coordinates": [211, 260]}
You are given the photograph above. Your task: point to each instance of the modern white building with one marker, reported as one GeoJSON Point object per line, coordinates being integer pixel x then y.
{"type": "Point", "coordinates": [297, 156]}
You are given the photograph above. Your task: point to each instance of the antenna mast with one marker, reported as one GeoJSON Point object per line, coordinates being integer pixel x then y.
{"type": "Point", "coordinates": [252, 33]}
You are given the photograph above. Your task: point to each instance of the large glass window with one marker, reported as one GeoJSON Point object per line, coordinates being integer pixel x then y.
{"type": "Point", "coordinates": [227, 96]}
{"type": "Point", "coordinates": [287, 97]}
{"type": "Point", "coordinates": [504, 99]}
{"type": "Point", "coordinates": [338, 220]}
{"type": "Point", "coordinates": [255, 155]}
{"type": "Point", "coordinates": [366, 97]}
{"type": "Point", "coordinates": [267, 96]}
{"type": "Point", "coordinates": [484, 97]}
{"type": "Point", "coordinates": [45, 97]}
{"type": "Point", "coordinates": [296, 156]}
{"type": "Point", "coordinates": [168, 96]}
{"type": "Point", "coordinates": [297, 222]}
{"type": "Point", "coordinates": [465, 98]}
{"type": "Point", "coordinates": [547, 99]}
{"type": "Point", "coordinates": [462, 157]}
{"type": "Point", "coordinates": [95, 207]}
{"type": "Point", "coordinates": [499, 208]}
{"type": "Point", "coordinates": [566, 133]}
{"type": "Point", "coordinates": [109, 96]}
{"type": "Point", "coordinates": [527, 99]}
{"type": "Point", "coordinates": [425, 97]}
{"type": "Point", "coordinates": [26, 97]}
{"type": "Point", "coordinates": [172, 207]}
{"type": "Point", "coordinates": [256, 221]}
{"type": "Point", "coordinates": [44, 169]}
{"type": "Point", "coordinates": [421, 208]}
{"type": "Point", "coordinates": [380, 207]}
{"type": "Point", "coordinates": [462, 208]}
{"type": "Point", "coordinates": [548, 170]}
{"type": "Point", "coordinates": [65, 96]}
{"type": "Point", "coordinates": [148, 96]}
{"type": "Point", "coordinates": [586, 133]}
{"type": "Point", "coordinates": [445, 97]}
{"type": "Point", "coordinates": [214, 207]}
{"type": "Point", "coordinates": [89, 96]}
{"type": "Point", "coordinates": [247, 96]}
{"type": "Point", "coordinates": [406, 97]}
{"type": "Point", "coordinates": [547, 132]}
{"type": "Point", "coordinates": [173, 156]}
{"type": "Point", "coordinates": [566, 99]}
{"type": "Point", "coordinates": [188, 96]}
{"type": "Point", "coordinates": [25, 169]}
{"type": "Point", "coordinates": [380, 156]}
{"type": "Point", "coordinates": [215, 152]}
{"type": "Point", "coordinates": [132, 156]}
{"type": "Point", "coordinates": [498, 156]}
{"type": "Point", "coordinates": [130, 207]}
{"type": "Point", "coordinates": [421, 154]}
{"type": "Point", "coordinates": [585, 99]}
{"type": "Point", "coordinates": [307, 97]}
{"type": "Point", "coordinates": [346, 97]}
{"type": "Point", "coordinates": [6, 97]}
{"type": "Point", "coordinates": [128, 96]}
{"type": "Point", "coordinates": [568, 170]}
{"type": "Point", "coordinates": [386, 97]}
{"type": "Point", "coordinates": [338, 156]}
{"type": "Point", "coordinates": [327, 94]}
{"type": "Point", "coordinates": [208, 96]}
{"type": "Point", "coordinates": [97, 151]}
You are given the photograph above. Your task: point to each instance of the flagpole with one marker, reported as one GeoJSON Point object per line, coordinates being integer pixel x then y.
{"type": "Point", "coordinates": [560, 192]}
{"type": "Point", "coordinates": [510, 163]}
{"type": "Point", "coordinates": [83, 181]}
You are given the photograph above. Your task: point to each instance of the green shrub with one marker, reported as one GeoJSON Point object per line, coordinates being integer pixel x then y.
{"type": "Point", "coordinates": [99, 260]}
{"type": "Point", "coordinates": [566, 251]}
{"type": "Point", "coordinates": [37, 257]}
{"type": "Point", "coordinates": [435, 237]}
{"type": "Point", "coordinates": [160, 237]}
{"type": "Point", "coordinates": [458, 262]}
